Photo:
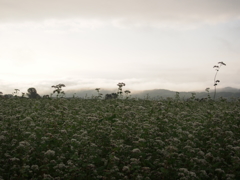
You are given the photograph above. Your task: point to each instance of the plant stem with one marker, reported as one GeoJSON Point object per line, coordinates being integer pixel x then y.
{"type": "Point", "coordinates": [215, 83]}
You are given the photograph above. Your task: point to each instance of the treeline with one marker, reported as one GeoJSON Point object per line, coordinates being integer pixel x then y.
{"type": "Point", "coordinates": [32, 93]}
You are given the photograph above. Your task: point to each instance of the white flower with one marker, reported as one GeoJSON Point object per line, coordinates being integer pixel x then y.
{"type": "Point", "coordinates": [141, 140]}
{"type": "Point", "coordinates": [73, 140]}
{"type": "Point", "coordinates": [23, 144]}
{"type": "Point", "coordinates": [26, 166]}
{"type": "Point", "coordinates": [44, 138]}
{"type": "Point", "coordinates": [50, 153]}
{"type": "Point", "coordinates": [133, 159]}
{"type": "Point", "coordinates": [114, 169]}
{"type": "Point", "coordinates": [93, 145]}
{"type": "Point", "coordinates": [2, 137]}
{"type": "Point", "coordinates": [230, 176]}
{"type": "Point", "coordinates": [14, 159]}
{"type": "Point", "coordinates": [32, 136]}
{"type": "Point", "coordinates": [28, 119]}
{"type": "Point", "coordinates": [219, 170]}
{"type": "Point", "coordinates": [160, 142]}
{"type": "Point", "coordinates": [34, 167]}
{"type": "Point", "coordinates": [60, 166]}
{"type": "Point", "coordinates": [192, 174]}
{"type": "Point", "coordinates": [141, 108]}
{"type": "Point", "coordinates": [136, 150]}
{"type": "Point", "coordinates": [236, 148]}
{"type": "Point", "coordinates": [32, 124]}
{"type": "Point", "coordinates": [183, 170]}
{"type": "Point", "coordinates": [125, 168]}
{"type": "Point", "coordinates": [190, 136]}
{"type": "Point", "coordinates": [201, 153]}
{"type": "Point", "coordinates": [69, 162]}
{"type": "Point", "coordinates": [230, 133]}
{"type": "Point", "coordinates": [139, 177]}
{"type": "Point", "coordinates": [116, 158]}
{"type": "Point", "coordinates": [47, 176]}
{"type": "Point", "coordinates": [209, 155]}
{"type": "Point", "coordinates": [181, 174]}
{"type": "Point", "coordinates": [171, 148]}
{"type": "Point", "coordinates": [159, 103]}
{"type": "Point", "coordinates": [203, 172]}
{"type": "Point", "coordinates": [63, 131]}
{"type": "Point", "coordinates": [165, 120]}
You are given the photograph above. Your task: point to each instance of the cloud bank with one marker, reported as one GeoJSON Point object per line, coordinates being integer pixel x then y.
{"type": "Point", "coordinates": [124, 12]}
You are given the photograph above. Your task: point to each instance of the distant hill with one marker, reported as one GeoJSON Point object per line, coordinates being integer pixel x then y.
{"type": "Point", "coordinates": [229, 89]}
{"type": "Point", "coordinates": [226, 92]}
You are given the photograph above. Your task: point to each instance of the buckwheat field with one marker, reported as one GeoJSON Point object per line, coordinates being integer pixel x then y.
{"type": "Point", "coordinates": [55, 139]}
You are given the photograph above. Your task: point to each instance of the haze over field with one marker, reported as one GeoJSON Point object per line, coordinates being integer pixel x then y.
{"type": "Point", "coordinates": [153, 44]}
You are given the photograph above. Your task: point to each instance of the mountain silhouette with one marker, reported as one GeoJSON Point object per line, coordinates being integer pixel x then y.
{"type": "Point", "coordinates": [226, 92]}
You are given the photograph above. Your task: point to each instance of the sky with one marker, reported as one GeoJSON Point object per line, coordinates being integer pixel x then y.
{"type": "Point", "coordinates": [147, 44]}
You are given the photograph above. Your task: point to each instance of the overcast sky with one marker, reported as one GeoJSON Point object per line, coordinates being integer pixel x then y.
{"type": "Point", "coordinates": [147, 44]}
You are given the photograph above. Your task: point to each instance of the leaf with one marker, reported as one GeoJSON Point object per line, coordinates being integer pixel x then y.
{"type": "Point", "coordinates": [111, 118]}
{"type": "Point", "coordinates": [100, 120]}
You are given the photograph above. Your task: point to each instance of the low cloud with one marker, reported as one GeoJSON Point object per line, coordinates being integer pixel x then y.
{"type": "Point", "coordinates": [123, 13]}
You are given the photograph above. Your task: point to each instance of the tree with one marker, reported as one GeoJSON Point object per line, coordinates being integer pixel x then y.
{"type": "Point", "coordinates": [32, 93]}
{"type": "Point", "coordinates": [7, 95]}
{"type": "Point", "coordinates": [111, 96]}
{"type": "Point", "coordinates": [46, 96]}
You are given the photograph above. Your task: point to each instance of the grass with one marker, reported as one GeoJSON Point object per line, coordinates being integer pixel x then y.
{"type": "Point", "coordinates": [119, 139]}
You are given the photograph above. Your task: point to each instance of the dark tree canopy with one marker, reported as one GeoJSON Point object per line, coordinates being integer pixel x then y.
{"type": "Point", "coordinates": [7, 95]}
{"type": "Point", "coordinates": [111, 96]}
{"type": "Point", "coordinates": [46, 96]}
{"type": "Point", "coordinates": [32, 93]}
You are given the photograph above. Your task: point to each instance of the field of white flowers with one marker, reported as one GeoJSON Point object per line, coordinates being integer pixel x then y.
{"type": "Point", "coordinates": [119, 139]}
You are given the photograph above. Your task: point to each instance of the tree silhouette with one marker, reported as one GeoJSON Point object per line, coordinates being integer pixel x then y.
{"type": "Point", "coordinates": [7, 95]}
{"type": "Point", "coordinates": [111, 96]}
{"type": "Point", "coordinates": [32, 93]}
{"type": "Point", "coordinates": [46, 96]}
